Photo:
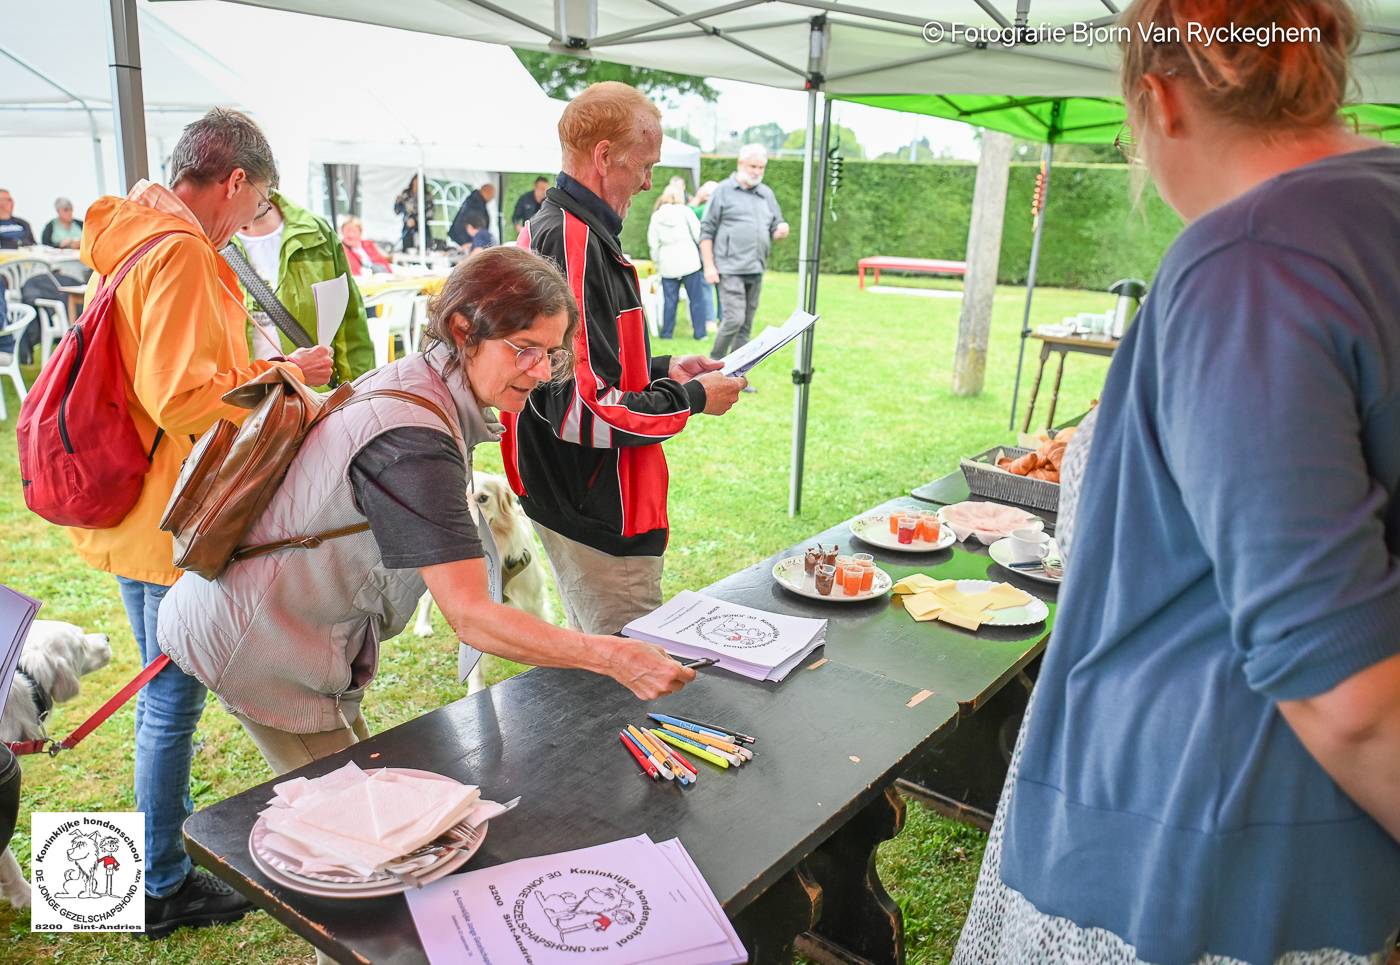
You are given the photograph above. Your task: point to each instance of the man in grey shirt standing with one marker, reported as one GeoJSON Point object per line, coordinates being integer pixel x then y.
{"type": "Point", "coordinates": [739, 229]}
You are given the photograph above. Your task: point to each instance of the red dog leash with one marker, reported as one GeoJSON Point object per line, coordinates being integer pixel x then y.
{"type": "Point", "coordinates": [98, 717]}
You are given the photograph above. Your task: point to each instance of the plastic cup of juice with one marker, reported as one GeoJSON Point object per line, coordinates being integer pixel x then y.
{"type": "Point", "coordinates": [928, 527]}
{"type": "Point", "coordinates": [894, 523]}
{"type": "Point", "coordinates": [867, 575]}
{"type": "Point", "coordinates": [851, 575]}
{"type": "Point", "coordinates": [840, 565]}
{"type": "Point", "coordinates": [908, 527]}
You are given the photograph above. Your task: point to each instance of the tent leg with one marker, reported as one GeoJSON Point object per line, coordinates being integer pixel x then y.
{"type": "Point", "coordinates": [128, 100]}
{"type": "Point", "coordinates": [422, 213]}
{"type": "Point", "coordinates": [500, 207]}
{"type": "Point", "coordinates": [802, 373]}
{"type": "Point", "coordinates": [332, 182]}
{"type": "Point", "coordinates": [1047, 157]}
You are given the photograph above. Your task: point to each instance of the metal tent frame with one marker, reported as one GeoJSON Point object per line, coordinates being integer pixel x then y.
{"type": "Point", "coordinates": [892, 47]}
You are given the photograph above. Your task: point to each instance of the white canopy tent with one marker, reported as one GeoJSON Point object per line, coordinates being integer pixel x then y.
{"type": "Point", "coordinates": [888, 46]}
{"type": "Point", "coordinates": [463, 110]}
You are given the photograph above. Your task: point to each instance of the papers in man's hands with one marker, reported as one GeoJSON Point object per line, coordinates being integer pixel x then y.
{"type": "Point", "coordinates": [331, 295]}
{"type": "Point", "coordinates": [621, 903]}
{"type": "Point", "coordinates": [755, 643]}
{"type": "Point", "coordinates": [16, 615]}
{"type": "Point", "coordinates": [772, 338]}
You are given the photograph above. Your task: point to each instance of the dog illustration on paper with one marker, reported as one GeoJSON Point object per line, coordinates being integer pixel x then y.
{"type": "Point", "coordinates": [598, 910]}
{"type": "Point", "coordinates": [85, 854]}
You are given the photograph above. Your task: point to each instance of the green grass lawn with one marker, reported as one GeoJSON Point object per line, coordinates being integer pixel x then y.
{"type": "Point", "coordinates": [883, 420]}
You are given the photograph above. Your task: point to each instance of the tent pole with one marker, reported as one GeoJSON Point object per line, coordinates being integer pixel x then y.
{"type": "Point", "coordinates": [128, 100]}
{"type": "Point", "coordinates": [802, 375]}
{"type": "Point", "coordinates": [332, 182]}
{"type": "Point", "coordinates": [422, 213]}
{"type": "Point", "coordinates": [1047, 156]}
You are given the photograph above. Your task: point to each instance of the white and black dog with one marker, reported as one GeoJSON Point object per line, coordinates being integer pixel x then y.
{"type": "Point", "coordinates": [522, 566]}
{"type": "Point", "coordinates": [54, 657]}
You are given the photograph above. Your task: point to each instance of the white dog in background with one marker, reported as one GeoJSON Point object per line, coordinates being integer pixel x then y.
{"type": "Point", "coordinates": [523, 567]}
{"type": "Point", "coordinates": [54, 657]}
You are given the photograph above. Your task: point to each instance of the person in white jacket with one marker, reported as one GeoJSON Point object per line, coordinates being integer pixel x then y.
{"type": "Point", "coordinates": [674, 239]}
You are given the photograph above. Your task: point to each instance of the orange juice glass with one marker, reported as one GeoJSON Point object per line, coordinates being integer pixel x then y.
{"type": "Point", "coordinates": [928, 527]}
{"type": "Point", "coordinates": [867, 577]}
{"type": "Point", "coordinates": [851, 576]}
{"type": "Point", "coordinates": [894, 523]}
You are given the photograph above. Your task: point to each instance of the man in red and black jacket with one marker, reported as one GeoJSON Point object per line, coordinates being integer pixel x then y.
{"type": "Point", "coordinates": [585, 456]}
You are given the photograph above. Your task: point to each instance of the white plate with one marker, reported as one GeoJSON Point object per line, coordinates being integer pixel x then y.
{"type": "Point", "coordinates": [1017, 616]}
{"type": "Point", "coordinates": [286, 871]}
{"type": "Point", "coordinates": [1001, 552]}
{"type": "Point", "coordinates": [987, 537]}
{"type": "Point", "coordinates": [874, 528]}
{"type": "Point", "coordinates": [791, 574]}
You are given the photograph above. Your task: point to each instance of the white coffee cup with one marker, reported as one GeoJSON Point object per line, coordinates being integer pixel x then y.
{"type": "Point", "coordinates": [1029, 545]}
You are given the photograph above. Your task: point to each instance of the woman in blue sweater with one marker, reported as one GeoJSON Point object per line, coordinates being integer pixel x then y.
{"type": "Point", "coordinates": [1210, 771]}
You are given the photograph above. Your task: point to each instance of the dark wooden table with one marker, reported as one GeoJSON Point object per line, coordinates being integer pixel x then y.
{"type": "Point", "coordinates": [1063, 344]}
{"type": "Point", "coordinates": [777, 840]}
{"type": "Point", "coordinates": [787, 843]}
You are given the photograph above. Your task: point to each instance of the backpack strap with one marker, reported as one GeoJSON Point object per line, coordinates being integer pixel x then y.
{"type": "Point", "coordinates": [315, 540]}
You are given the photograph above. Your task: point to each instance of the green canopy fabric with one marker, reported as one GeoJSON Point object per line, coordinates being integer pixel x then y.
{"type": "Point", "coordinates": [1069, 120]}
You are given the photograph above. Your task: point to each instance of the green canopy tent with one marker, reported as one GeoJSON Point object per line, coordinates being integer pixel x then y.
{"type": "Point", "coordinates": [1063, 120]}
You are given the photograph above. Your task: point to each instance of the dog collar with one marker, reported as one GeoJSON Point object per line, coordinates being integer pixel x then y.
{"type": "Point", "coordinates": [41, 696]}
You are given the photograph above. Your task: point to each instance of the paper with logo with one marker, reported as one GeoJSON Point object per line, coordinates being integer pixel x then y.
{"type": "Point", "coordinates": [88, 871]}
{"type": "Point", "coordinates": [772, 338]}
{"type": "Point", "coordinates": [755, 643]}
{"type": "Point", "coordinates": [331, 296]}
{"type": "Point", "coordinates": [16, 615]}
{"type": "Point", "coordinates": [622, 903]}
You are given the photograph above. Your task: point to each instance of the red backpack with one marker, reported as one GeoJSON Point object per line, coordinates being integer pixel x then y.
{"type": "Point", "coordinates": [81, 461]}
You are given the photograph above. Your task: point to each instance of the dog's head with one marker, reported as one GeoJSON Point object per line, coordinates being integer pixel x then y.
{"type": "Point", "coordinates": [496, 503]}
{"type": "Point", "coordinates": [57, 654]}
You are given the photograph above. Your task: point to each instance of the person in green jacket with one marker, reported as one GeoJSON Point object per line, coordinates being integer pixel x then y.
{"type": "Point", "coordinates": [291, 249]}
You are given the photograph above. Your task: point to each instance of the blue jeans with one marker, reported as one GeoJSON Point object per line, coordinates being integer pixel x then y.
{"type": "Point", "coordinates": [167, 711]}
{"type": "Point", "coordinates": [699, 294]}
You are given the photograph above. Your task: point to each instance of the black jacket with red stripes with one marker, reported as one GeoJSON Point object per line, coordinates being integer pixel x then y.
{"type": "Point", "coordinates": [585, 455]}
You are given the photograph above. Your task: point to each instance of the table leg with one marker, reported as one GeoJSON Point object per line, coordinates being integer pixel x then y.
{"type": "Point", "coordinates": [877, 276]}
{"type": "Point", "coordinates": [860, 272]}
{"type": "Point", "coordinates": [769, 926]}
{"type": "Point", "coordinates": [1035, 388]}
{"type": "Point", "coordinates": [862, 922]}
{"type": "Point", "coordinates": [1055, 398]}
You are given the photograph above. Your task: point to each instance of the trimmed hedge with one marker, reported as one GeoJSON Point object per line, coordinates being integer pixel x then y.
{"type": "Point", "coordinates": [1094, 233]}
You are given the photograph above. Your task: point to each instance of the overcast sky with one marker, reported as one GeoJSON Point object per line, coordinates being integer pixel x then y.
{"type": "Point", "coordinates": [743, 105]}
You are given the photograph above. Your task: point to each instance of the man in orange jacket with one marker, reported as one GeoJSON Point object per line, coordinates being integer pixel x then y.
{"type": "Point", "coordinates": [181, 327]}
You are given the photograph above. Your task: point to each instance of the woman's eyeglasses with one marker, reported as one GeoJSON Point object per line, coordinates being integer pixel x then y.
{"type": "Point", "coordinates": [530, 356]}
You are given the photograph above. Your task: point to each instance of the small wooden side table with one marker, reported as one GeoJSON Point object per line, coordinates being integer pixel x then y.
{"type": "Point", "coordinates": [75, 294]}
{"type": "Point", "coordinates": [1064, 344]}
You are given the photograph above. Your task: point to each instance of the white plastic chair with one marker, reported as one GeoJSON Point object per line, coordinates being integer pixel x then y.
{"type": "Point", "coordinates": [53, 322]}
{"type": "Point", "coordinates": [17, 318]}
{"type": "Point", "coordinates": [653, 303]}
{"type": "Point", "coordinates": [19, 271]}
{"type": "Point", "coordinates": [395, 317]}
{"type": "Point", "coordinates": [420, 321]}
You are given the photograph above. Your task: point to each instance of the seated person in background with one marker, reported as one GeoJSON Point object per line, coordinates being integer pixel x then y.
{"type": "Point", "coordinates": [291, 640]}
{"type": "Point", "coordinates": [65, 231]}
{"type": "Point", "coordinates": [278, 258]}
{"type": "Point", "coordinates": [14, 232]}
{"type": "Point", "coordinates": [477, 202]}
{"type": "Point", "coordinates": [363, 255]}
{"type": "Point", "coordinates": [478, 236]}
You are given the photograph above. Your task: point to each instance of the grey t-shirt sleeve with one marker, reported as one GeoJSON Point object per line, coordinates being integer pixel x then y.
{"type": "Point", "coordinates": [411, 484]}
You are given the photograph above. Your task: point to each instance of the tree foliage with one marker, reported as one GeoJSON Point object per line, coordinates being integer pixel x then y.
{"type": "Point", "coordinates": [841, 136]}
{"type": "Point", "coordinates": [770, 135]}
{"type": "Point", "coordinates": [564, 76]}
{"type": "Point", "coordinates": [681, 134]}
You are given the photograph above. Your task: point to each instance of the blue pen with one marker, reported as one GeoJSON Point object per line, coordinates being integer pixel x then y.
{"type": "Point", "coordinates": [690, 725]}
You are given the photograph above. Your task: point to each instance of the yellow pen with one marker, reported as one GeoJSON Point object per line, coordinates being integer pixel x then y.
{"type": "Point", "coordinates": [692, 748]}
{"type": "Point", "coordinates": [660, 762]}
{"type": "Point", "coordinates": [734, 750]}
{"type": "Point", "coordinates": [664, 753]}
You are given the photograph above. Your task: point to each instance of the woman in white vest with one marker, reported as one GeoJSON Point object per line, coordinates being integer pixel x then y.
{"type": "Point", "coordinates": [289, 641]}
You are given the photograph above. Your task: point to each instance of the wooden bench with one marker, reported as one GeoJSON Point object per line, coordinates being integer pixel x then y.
{"type": "Point", "coordinates": [925, 266]}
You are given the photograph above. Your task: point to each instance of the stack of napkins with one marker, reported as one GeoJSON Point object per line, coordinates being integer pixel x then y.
{"type": "Point", "coordinates": [755, 643]}
{"type": "Point", "coordinates": [625, 902]}
{"type": "Point", "coordinates": [928, 599]}
{"type": "Point", "coordinates": [356, 822]}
